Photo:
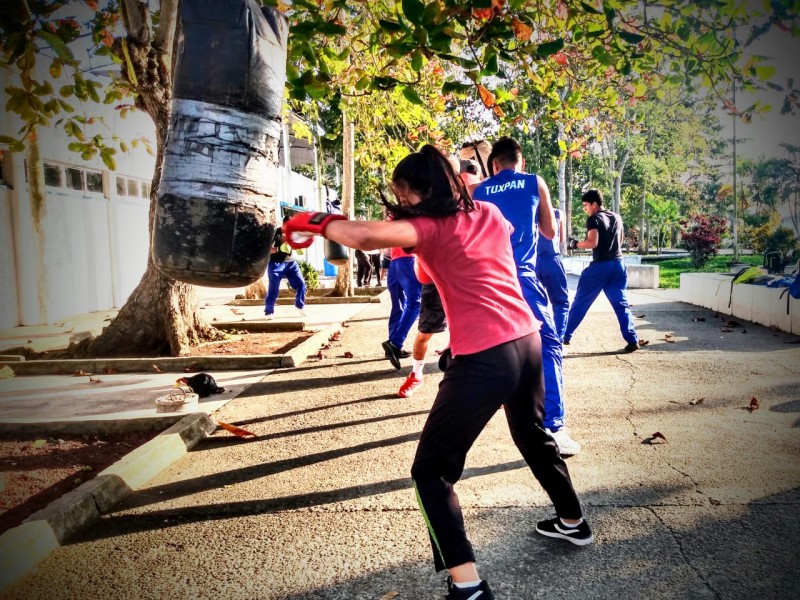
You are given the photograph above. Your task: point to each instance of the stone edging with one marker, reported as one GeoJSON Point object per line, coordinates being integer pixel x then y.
{"type": "Point", "coordinates": [24, 546]}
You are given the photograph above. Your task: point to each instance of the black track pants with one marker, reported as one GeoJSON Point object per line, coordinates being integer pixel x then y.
{"type": "Point", "coordinates": [473, 388]}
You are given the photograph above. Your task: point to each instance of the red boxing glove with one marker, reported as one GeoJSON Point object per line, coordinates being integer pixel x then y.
{"type": "Point", "coordinates": [298, 231]}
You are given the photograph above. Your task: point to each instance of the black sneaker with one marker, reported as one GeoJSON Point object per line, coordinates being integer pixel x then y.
{"type": "Point", "coordinates": [554, 528]}
{"type": "Point", "coordinates": [479, 592]}
{"type": "Point", "coordinates": [565, 342]}
{"type": "Point", "coordinates": [633, 347]}
{"type": "Point", "coordinates": [393, 353]}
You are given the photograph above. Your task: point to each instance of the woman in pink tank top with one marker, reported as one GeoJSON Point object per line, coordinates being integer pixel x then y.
{"type": "Point", "coordinates": [495, 351]}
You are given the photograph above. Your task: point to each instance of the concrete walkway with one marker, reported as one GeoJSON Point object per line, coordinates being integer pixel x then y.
{"type": "Point", "coordinates": [320, 505]}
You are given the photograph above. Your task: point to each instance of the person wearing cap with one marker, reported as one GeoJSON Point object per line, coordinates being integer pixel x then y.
{"type": "Point", "coordinates": [524, 200]}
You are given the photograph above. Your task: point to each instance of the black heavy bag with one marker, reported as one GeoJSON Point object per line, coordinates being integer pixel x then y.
{"type": "Point", "coordinates": [335, 253]}
{"type": "Point", "coordinates": [217, 196]}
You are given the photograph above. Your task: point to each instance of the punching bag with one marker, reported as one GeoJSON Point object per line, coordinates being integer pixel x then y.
{"type": "Point", "coordinates": [217, 197]}
{"type": "Point", "coordinates": [335, 253]}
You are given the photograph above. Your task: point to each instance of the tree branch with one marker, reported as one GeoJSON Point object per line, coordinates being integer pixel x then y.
{"type": "Point", "coordinates": [135, 18]}
{"type": "Point", "coordinates": [165, 36]}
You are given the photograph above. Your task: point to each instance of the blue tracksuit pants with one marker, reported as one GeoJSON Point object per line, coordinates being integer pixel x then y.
{"type": "Point", "coordinates": [550, 271]}
{"type": "Point", "coordinates": [610, 277]}
{"type": "Point", "coordinates": [405, 290]}
{"type": "Point", "coordinates": [276, 272]}
{"type": "Point", "coordinates": [536, 297]}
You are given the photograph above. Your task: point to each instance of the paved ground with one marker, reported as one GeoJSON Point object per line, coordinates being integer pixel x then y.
{"type": "Point", "coordinates": [125, 396]}
{"type": "Point", "coordinates": [321, 504]}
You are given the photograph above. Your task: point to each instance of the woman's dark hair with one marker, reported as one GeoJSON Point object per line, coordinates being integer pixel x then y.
{"type": "Point", "coordinates": [429, 174]}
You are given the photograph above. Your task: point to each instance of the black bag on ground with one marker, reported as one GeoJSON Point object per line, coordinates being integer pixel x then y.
{"type": "Point", "coordinates": [202, 384]}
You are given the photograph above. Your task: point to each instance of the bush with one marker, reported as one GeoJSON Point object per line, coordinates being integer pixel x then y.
{"type": "Point", "coordinates": [702, 236]}
{"type": "Point", "coordinates": [310, 274]}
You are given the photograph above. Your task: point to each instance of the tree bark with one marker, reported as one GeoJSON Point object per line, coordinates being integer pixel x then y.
{"type": "Point", "coordinates": [161, 316]}
{"type": "Point", "coordinates": [344, 276]}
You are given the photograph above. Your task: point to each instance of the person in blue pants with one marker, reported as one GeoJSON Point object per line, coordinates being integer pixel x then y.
{"type": "Point", "coordinates": [282, 264]}
{"type": "Point", "coordinates": [550, 271]}
{"type": "Point", "coordinates": [606, 273]}
{"type": "Point", "coordinates": [524, 200]}
{"type": "Point", "coordinates": [405, 291]}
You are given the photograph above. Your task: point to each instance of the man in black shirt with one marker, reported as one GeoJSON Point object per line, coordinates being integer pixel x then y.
{"type": "Point", "coordinates": [606, 273]}
{"type": "Point", "coordinates": [282, 264]}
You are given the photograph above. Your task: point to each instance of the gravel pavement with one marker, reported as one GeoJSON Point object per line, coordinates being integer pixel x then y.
{"type": "Point", "coordinates": [321, 505]}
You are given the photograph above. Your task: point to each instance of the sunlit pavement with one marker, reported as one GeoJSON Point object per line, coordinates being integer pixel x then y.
{"type": "Point", "coordinates": [321, 505]}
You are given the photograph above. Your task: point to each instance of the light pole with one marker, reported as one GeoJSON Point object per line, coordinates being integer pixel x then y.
{"type": "Point", "coordinates": [735, 197]}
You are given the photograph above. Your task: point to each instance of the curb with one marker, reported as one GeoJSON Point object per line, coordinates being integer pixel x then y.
{"type": "Point", "coordinates": [301, 352]}
{"type": "Point", "coordinates": [177, 364]}
{"type": "Point", "coordinates": [24, 546]}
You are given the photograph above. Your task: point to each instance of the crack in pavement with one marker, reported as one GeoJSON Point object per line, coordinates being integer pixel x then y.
{"type": "Point", "coordinates": [676, 538]}
{"type": "Point", "coordinates": [629, 418]}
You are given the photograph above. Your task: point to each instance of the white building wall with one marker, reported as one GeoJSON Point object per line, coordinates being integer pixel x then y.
{"type": "Point", "coordinates": [9, 314]}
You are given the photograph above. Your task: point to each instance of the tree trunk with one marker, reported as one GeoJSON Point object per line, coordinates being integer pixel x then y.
{"type": "Point", "coordinates": [567, 208]}
{"type": "Point", "coordinates": [161, 316]}
{"type": "Point", "coordinates": [344, 276]}
{"type": "Point", "coordinates": [34, 172]}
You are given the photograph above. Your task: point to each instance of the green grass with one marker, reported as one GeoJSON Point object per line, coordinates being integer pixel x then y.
{"type": "Point", "coordinates": [669, 271]}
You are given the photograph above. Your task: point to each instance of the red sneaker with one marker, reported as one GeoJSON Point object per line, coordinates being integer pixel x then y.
{"type": "Point", "coordinates": [410, 385]}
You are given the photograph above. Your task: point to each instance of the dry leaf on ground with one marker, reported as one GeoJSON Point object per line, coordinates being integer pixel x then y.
{"type": "Point", "coordinates": [754, 404]}
{"type": "Point", "coordinates": [237, 431]}
{"type": "Point", "coordinates": [696, 402]}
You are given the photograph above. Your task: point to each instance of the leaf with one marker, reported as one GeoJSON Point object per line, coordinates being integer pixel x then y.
{"type": "Point", "coordinates": [699, 319]}
{"type": "Point", "coordinates": [413, 10]}
{"type": "Point", "coordinates": [696, 402]}
{"type": "Point", "coordinates": [237, 431]}
{"type": "Point", "coordinates": [416, 61]}
{"type": "Point", "coordinates": [81, 373]}
{"type": "Point", "coordinates": [58, 45]}
{"type": "Point", "coordinates": [549, 48]}
{"type": "Point", "coordinates": [522, 31]}
{"type": "Point", "coordinates": [157, 369]}
{"type": "Point", "coordinates": [411, 95]}
{"type": "Point", "coordinates": [389, 26]}
{"type": "Point", "coordinates": [39, 444]}
{"type": "Point", "coordinates": [754, 404]}
{"type": "Point", "coordinates": [93, 380]}
{"type": "Point", "coordinates": [726, 330]}
{"type": "Point", "coordinates": [630, 37]}
{"type": "Point", "coordinates": [389, 595]}
{"type": "Point", "coordinates": [640, 316]}
{"type": "Point", "coordinates": [348, 355]}
{"type": "Point", "coordinates": [486, 96]}
{"type": "Point", "coordinates": [656, 438]}
{"type": "Point", "coordinates": [591, 9]}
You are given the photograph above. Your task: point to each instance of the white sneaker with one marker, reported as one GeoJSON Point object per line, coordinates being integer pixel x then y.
{"type": "Point", "coordinates": [566, 445]}
{"type": "Point", "coordinates": [269, 317]}
{"type": "Point", "coordinates": [301, 312]}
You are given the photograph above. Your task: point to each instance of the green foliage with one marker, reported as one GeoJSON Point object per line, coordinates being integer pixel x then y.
{"type": "Point", "coordinates": [702, 236]}
{"type": "Point", "coordinates": [669, 271]}
{"type": "Point", "coordinates": [310, 275]}
{"type": "Point", "coordinates": [38, 31]}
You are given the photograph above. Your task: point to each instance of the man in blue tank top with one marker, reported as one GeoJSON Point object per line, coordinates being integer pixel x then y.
{"type": "Point", "coordinates": [606, 273]}
{"type": "Point", "coordinates": [524, 200]}
{"type": "Point", "coordinates": [550, 271]}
